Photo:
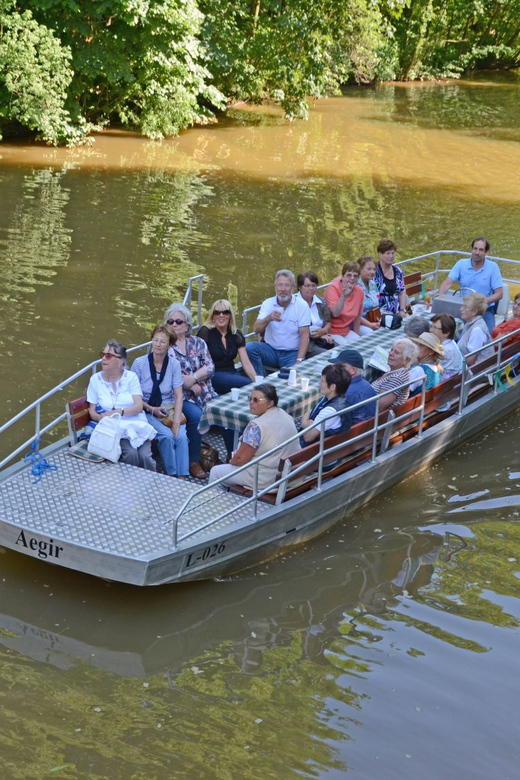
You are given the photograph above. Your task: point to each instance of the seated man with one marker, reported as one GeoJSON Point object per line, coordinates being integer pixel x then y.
{"type": "Point", "coordinates": [284, 323]}
{"type": "Point", "coordinates": [334, 384]}
{"type": "Point", "coordinates": [478, 274]}
{"type": "Point", "coordinates": [359, 389]}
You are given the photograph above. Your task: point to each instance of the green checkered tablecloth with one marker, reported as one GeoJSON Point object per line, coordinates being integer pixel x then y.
{"type": "Point", "coordinates": [227, 413]}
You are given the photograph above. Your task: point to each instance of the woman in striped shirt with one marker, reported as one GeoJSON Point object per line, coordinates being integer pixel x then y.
{"type": "Point", "coordinates": [402, 354]}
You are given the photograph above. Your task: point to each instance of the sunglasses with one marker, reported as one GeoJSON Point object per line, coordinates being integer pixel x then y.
{"type": "Point", "coordinates": [223, 313]}
{"type": "Point", "coordinates": [256, 400]}
{"type": "Point", "coordinates": [176, 322]}
{"type": "Point", "coordinates": [108, 355]}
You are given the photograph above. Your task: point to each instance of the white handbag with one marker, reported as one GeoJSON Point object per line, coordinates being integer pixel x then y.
{"type": "Point", "coordinates": [105, 438]}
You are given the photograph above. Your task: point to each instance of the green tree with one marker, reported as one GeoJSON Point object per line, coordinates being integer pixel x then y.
{"type": "Point", "coordinates": [291, 50]}
{"type": "Point", "coordinates": [35, 74]}
{"type": "Point", "coordinates": [134, 61]}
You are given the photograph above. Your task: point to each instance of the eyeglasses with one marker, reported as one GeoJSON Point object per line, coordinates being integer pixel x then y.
{"type": "Point", "coordinates": [223, 313]}
{"type": "Point", "coordinates": [176, 322]}
{"type": "Point", "coordinates": [108, 355]}
{"type": "Point", "coordinates": [256, 400]}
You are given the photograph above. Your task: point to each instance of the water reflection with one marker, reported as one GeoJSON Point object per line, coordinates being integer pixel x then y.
{"type": "Point", "coordinates": [134, 671]}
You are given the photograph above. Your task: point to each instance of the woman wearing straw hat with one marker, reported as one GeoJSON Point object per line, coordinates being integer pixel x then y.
{"type": "Point", "coordinates": [430, 352]}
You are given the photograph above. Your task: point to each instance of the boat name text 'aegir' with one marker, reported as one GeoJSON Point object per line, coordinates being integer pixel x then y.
{"type": "Point", "coordinates": [44, 549]}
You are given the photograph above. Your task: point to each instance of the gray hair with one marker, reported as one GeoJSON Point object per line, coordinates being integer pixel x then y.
{"type": "Point", "coordinates": [415, 326]}
{"type": "Point", "coordinates": [118, 348]}
{"type": "Point", "coordinates": [287, 273]}
{"type": "Point", "coordinates": [182, 309]}
{"type": "Point", "coordinates": [410, 352]}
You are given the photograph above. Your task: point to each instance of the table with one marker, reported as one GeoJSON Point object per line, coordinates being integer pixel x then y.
{"type": "Point", "coordinates": [225, 412]}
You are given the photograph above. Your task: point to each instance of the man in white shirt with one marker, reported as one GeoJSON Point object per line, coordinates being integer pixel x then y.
{"type": "Point", "coordinates": [283, 321]}
{"type": "Point", "coordinates": [478, 274]}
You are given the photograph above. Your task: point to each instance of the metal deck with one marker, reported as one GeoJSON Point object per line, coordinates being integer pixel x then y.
{"type": "Point", "coordinates": [113, 507]}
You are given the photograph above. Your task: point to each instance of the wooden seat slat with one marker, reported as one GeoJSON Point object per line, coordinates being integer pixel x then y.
{"type": "Point", "coordinates": [77, 416]}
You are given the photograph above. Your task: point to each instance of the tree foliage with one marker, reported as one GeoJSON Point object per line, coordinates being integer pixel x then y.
{"type": "Point", "coordinates": [67, 66]}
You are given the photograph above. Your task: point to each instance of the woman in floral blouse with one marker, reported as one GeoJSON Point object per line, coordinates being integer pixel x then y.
{"type": "Point", "coordinates": [197, 369]}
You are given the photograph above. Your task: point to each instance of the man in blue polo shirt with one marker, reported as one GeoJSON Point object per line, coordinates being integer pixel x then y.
{"type": "Point", "coordinates": [480, 275]}
{"type": "Point", "coordinates": [359, 389]}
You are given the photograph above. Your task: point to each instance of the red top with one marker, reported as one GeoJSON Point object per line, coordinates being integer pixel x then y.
{"type": "Point", "coordinates": [507, 327]}
{"type": "Point", "coordinates": [352, 307]}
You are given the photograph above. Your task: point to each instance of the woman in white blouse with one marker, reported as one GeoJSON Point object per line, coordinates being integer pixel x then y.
{"type": "Point", "coordinates": [116, 389]}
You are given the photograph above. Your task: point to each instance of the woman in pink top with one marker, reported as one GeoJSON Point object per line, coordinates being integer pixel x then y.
{"type": "Point", "coordinates": [345, 301]}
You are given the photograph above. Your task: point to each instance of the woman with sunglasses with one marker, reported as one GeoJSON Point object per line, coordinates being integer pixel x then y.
{"type": "Point", "coordinates": [271, 426]}
{"type": "Point", "coordinates": [226, 343]}
{"type": "Point", "coordinates": [115, 389]}
{"type": "Point", "coordinates": [197, 369]}
{"type": "Point", "coordinates": [160, 378]}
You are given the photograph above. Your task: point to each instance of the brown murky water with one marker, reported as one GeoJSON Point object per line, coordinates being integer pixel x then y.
{"type": "Point", "coordinates": [386, 649]}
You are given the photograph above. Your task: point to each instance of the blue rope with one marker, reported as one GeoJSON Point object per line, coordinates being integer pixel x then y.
{"type": "Point", "coordinates": [40, 464]}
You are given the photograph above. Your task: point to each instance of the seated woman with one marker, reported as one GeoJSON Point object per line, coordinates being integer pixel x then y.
{"type": "Point", "coordinates": [271, 426]}
{"type": "Point", "coordinates": [345, 301]}
{"type": "Point", "coordinates": [334, 383]}
{"type": "Point", "coordinates": [430, 353]}
{"type": "Point", "coordinates": [161, 383]}
{"type": "Point", "coordinates": [401, 356]}
{"type": "Point", "coordinates": [225, 342]}
{"type": "Point", "coordinates": [444, 326]}
{"type": "Point", "coordinates": [475, 333]}
{"type": "Point", "coordinates": [319, 341]}
{"type": "Point", "coordinates": [389, 280]}
{"type": "Point", "coordinates": [367, 271]}
{"type": "Point", "coordinates": [197, 369]}
{"type": "Point", "coordinates": [115, 389]}
{"type": "Point", "coordinates": [508, 326]}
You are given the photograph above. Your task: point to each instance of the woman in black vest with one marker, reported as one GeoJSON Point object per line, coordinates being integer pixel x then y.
{"type": "Point", "coordinates": [334, 384]}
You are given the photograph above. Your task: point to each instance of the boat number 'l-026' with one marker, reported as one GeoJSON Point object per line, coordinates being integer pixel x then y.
{"type": "Point", "coordinates": [205, 555]}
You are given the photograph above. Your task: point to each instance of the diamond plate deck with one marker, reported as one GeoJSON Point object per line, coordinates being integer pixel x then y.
{"type": "Point", "coordinates": [114, 507]}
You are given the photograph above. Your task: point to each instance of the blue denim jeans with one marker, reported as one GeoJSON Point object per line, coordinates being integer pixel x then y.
{"type": "Point", "coordinates": [259, 352]}
{"type": "Point", "coordinates": [174, 451]}
{"type": "Point", "coordinates": [223, 381]}
{"type": "Point", "coordinates": [193, 414]}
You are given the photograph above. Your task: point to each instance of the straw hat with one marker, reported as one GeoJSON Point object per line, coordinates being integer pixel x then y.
{"type": "Point", "coordinates": [431, 341]}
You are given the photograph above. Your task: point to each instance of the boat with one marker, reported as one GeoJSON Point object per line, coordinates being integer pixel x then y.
{"type": "Point", "coordinates": [133, 526]}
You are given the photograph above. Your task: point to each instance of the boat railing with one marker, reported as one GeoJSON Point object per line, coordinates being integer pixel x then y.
{"type": "Point", "coordinates": [489, 370]}
{"type": "Point", "coordinates": [257, 494]}
{"type": "Point", "coordinates": [188, 296]}
{"type": "Point", "coordinates": [40, 429]}
{"type": "Point", "coordinates": [427, 275]}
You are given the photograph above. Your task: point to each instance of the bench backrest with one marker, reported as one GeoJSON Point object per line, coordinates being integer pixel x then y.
{"type": "Point", "coordinates": [77, 417]}
{"type": "Point", "coordinates": [413, 283]}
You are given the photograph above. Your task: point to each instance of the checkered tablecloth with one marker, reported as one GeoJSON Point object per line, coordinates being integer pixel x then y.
{"type": "Point", "coordinates": [227, 413]}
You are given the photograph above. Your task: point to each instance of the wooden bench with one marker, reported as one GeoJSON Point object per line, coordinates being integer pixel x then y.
{"type": "Point", "coordinates": [413, 284]}
{"type": "Point", "coordinates": [343, 459]}
{"type": "Point", "coordinates": [77, 417]}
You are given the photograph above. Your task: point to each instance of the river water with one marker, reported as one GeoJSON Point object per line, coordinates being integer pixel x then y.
{"type": "Point", "coordinates": [385, 649]}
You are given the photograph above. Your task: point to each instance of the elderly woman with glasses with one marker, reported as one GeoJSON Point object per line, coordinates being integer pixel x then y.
{"type": "Point", "coordinates": [225, 343]}
{"type": "Point", "coordinates": [114, 389]}
{"type": "Point", "coordinates": [271, 426]}
{"type": "Point", "coordinates": [197, 369]}
{"type": "Point", "coordinates": [161, 382]}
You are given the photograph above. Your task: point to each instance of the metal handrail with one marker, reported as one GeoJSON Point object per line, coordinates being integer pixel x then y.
{"type": "Point", "coordinates": [37, 404]}
{"type": "Point", "coordinates": [255, 463]}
